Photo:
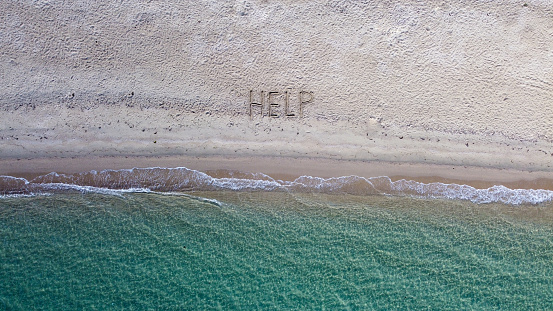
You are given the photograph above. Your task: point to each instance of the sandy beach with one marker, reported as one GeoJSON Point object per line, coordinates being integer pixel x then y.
{"type": "Point", "coordinates": [453, 92]}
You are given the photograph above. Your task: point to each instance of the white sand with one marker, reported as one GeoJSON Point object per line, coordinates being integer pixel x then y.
{"type": "Point", "coordinates": [458, 84]}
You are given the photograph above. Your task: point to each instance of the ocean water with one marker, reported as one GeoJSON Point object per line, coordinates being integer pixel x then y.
{"type": "Point", "coordinates": [178, 239]}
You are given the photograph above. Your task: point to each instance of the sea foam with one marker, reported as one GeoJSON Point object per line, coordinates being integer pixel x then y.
{"type": "Point", "coordinates": [182, 179]}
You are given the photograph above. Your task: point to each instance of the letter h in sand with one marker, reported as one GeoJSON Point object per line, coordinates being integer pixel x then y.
{"type": "Point", "coordinates": [252, 104]}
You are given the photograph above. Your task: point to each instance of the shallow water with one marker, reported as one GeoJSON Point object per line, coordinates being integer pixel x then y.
{"type": "Point", "coordinates": [163, 179]}
{"type": "Point", "coordinates": [272, 250]}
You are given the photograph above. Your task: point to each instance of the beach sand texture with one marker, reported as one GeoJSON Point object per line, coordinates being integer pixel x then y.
{"type": "Point", "coordinates": [463, 83]}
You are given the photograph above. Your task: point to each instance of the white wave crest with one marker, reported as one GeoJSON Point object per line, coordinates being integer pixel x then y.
{"type": "Point", "coordinates": [182, 179]}
{"type": "Point", "coordinates": [494, 194]}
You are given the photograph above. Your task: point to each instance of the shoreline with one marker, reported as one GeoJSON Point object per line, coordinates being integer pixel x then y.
{"type": "Point", "coordinates": [433, 92]}
{"type": "Point", "coordinates": [289, 168]}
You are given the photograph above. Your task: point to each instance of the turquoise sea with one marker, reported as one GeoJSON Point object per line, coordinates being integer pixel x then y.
{"type": "Point", "coordinates": [177, 239]}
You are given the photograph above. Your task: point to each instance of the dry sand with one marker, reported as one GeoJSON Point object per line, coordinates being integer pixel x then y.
{"type": "Point", "coordinates": [430, 90]}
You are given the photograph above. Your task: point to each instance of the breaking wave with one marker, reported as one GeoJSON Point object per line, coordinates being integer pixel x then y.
{"type": "Point", "coordinates": [182, 179]}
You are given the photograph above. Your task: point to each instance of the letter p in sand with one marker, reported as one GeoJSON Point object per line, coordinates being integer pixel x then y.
{"type": "Point", "coordinates": [303, 95]}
